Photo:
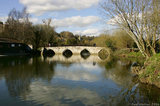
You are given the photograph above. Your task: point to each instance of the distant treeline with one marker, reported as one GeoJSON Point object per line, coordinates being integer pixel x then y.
{"type": "Point", "coordinates": [119, 39]}
{"type": "Point", "coordinates": [18, 27]}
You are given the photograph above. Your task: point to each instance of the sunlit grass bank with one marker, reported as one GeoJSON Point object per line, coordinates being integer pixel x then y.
{"type": "Point", "coordinates": [151, 72]}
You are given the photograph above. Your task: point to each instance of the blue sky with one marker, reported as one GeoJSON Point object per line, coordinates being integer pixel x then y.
{"type": "Point", "coordinates": [77, 16]}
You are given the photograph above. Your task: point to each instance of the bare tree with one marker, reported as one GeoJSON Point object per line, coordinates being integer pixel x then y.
{"type": "Point", "coordinates": [49, 31]}
{"type": "Point", "coordinates": [18, 25]}
{"type": "Point", "coordinates": [37, 39]}
{"type": "Point", "coordinates": [139, 18]}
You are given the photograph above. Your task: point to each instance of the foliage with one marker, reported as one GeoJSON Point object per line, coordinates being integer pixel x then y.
{"type": "Point", "coordinates": [110, 44]}
{"type": "Point", "coordinates": [119, 39]}
{"type": "Point", "coordinates": [152, 68]}
{"type": "Point", "coordinates": [1, 28]}
{"type": "Point", "coordinates": [49, 33]}
{"type": "Point", "coordinates": [139, 18]}
{"type": "Point", "coordinates": [72, 41]}
{"type": "Point", "coordinates": [128, 53]}
{"type": "Point", "coordinates": [68, 38]}
{"type": "Point", "coordinates": [86, 40]}
{"type": "Point", "coordinates": [101, 40]}
{"type": "Point", "coordinates": [18, 26]}
{"type": "Point", "coordinates": [122, 39]}
{"type": "Point", "coordinates": [135, 54]}
{"type": "Point", "coordinates": [37, 39]}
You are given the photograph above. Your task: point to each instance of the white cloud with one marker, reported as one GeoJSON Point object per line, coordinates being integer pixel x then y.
{"type": "Point", "coordinates": [41, 6]}
{"type": "Point", "coordinates": [76, 21]}
{"type": "Point", "coordinates": [54, 95]}
{"type": "Point", "coordinates": [83, 72]}
{"type": "Point", "coordinates": [117, 19]}
{"type": "Point", "coordinates": [89, 32]}
{"type": "Point", "coordinates": [114, 20]}
{"type": "Point", "coordinates": [3, 19]}
{"type": "Point", "coordinates": [34, 20]}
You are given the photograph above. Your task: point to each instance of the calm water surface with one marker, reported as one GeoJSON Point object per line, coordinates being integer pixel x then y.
{"type": "Point", "coordinates": [74, 81]}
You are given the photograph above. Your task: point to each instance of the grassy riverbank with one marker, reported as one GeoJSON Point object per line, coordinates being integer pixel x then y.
{"type": "Point", "coordinates": [128, 53]}
{"type": "Point", "coordinates": [148, 70]}
{"type": "Point", "coordinates": [150, 73]}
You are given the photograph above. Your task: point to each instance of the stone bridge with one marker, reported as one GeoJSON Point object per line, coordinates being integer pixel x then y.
{"type": "Point", "coordinates": [76, 49]}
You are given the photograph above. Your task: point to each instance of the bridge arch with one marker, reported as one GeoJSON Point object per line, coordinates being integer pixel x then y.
{"type": "Point", "coordinates": [103, 53]}
{"type": "Point", "coordinates": [48, 53]}
{"type": "Point", "coordinates": [85, 53]}
{"type": "Point", "coordinates": [67, 53]}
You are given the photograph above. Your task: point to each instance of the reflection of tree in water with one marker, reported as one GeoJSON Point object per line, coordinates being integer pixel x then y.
{"type": "Point", "coordinates": [132, 91]}
{"type": "Point", "coordinates": [43, 69]}
{"type": "Point", "coordinates": [118, 72]}
{"type": "Point", "coordinates": [137, 93]}
{"type": "Point", "coordinates": [110, 63]}
{"type": "Point", "coordinates": [19, 76]}
{"type": "Point", "coordinates": [152, 92]}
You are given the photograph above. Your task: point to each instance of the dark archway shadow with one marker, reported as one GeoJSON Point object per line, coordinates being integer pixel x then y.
{"type": "Point", "coordinates": [67, 53]}
{"type": "Point", "coordinates": [85, 54]}
{"type": "Point", "coordinates": [48, 53]}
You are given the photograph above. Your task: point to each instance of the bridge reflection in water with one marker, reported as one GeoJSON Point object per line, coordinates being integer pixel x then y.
{"type": "Point", "coordinates": [74, 58]}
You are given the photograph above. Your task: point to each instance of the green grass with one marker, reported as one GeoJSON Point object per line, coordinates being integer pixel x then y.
{"type": "Point", "coordinates": [152, 68]}
{"type": "Point", "coordinates": [128, 53]}
{"type": "Point", "coordinates": [121, 52]}
{"type": "Point", "coordinates": [135, 54]}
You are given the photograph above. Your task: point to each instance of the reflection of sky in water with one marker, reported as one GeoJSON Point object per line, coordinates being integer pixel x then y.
{"type": "Point", "coordinates": [42, 82]}
{"type": "Point", "coordinates": [79, 72]}
{"type": "Point", "coordinates": [62, 95]}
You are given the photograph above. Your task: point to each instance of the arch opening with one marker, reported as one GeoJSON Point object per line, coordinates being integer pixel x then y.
{"type": "Point", "coordinates": [85, 54]}
{"type": "Point", "coordinates": [48, 53]}
{"type": "Point", "coordinates": [67, 53]}
{"type": "Point", "coordinates": [103, 54]}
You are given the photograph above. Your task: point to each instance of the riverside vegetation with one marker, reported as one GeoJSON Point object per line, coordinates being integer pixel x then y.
{"type": "Point", "coordinates": [140, 19]}
{"type": "Point", "coordinates": [137, 28]}
{"type": "Point", "coordinates": [123, 47]}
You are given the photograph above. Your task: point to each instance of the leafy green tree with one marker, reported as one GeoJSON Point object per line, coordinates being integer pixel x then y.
{"type": "Point", "coordinates": [101, 40]}
{"type": "Point", "coordinates": [72, 41]}
{"type": "Point", "coordinates": [37, 39]}
{"type": "Point", "coordinates": [122, 39]}
{"type": "Point", "coordinates": [110, 44]}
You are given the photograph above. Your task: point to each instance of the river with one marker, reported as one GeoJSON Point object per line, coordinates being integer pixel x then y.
{"type": "Point", "coordinates": [73, 81]}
